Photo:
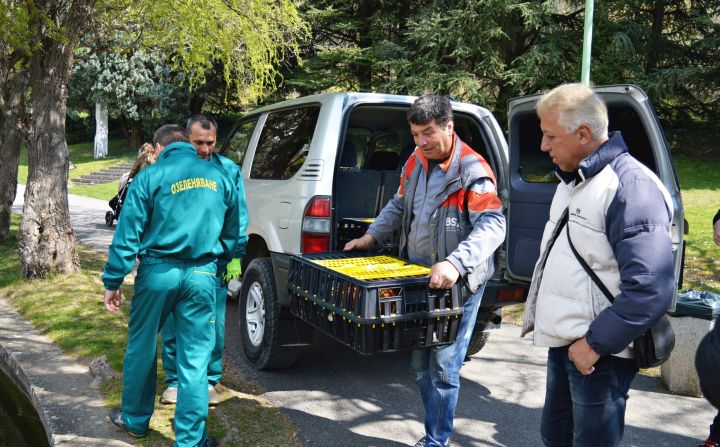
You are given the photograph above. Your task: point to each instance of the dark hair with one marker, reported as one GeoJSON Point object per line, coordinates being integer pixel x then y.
{"type": "Point", "coordinates": [428, 108]}
{"type": "Point", "coordinates": [206, 122]}
{"type": "Point", "coordinates": [170, 133]}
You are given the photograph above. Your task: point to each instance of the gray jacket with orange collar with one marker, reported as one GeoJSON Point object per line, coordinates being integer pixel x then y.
{"type": "Point", "coordinates": [466, 213]}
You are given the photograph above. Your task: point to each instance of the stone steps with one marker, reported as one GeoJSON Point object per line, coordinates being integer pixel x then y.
{"type": "Point", "coordinates": [111, 174]}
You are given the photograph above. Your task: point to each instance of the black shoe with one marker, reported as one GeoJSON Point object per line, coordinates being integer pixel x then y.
{"type": "Point", "coordinates": [211, 442]}
{"type": "Point", "coordinates": [116, 418]}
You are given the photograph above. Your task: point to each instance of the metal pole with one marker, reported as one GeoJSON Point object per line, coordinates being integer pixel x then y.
{"type": "Point", "coordinates": [587, 42]}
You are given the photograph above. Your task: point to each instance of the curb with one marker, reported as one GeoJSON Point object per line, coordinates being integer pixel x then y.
{"type": "Point", "coordinates": [57, 386]}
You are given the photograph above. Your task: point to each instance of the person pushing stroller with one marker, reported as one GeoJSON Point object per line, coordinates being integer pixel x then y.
{"type": "Point", "coordinates": [146, 157]}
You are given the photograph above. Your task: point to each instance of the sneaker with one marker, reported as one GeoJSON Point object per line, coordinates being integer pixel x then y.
{"type": "Point", "coordinates": [116, 418]}
{"type": "Point", "coordinates": [709, 443]}
{"type": "Point", "coordinates": [421, 442]}
{"type": "Point", "coordinates": [213, 396]}
{"type": "Point", "coordinates": [169, 396]}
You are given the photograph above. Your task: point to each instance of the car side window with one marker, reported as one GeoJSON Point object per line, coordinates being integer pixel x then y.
{"type": "Point", "coordinates": [535, 165]}
{"type": "Point", "coordinates": [284, 143]}
{"type": "Point", "coordinates": [238, 144]}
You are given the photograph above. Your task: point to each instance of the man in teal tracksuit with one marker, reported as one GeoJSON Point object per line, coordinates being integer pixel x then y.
{"type": "Point", "coordinates": [181, 218]}
{"type": "Point", "coordinates": [202, 131]}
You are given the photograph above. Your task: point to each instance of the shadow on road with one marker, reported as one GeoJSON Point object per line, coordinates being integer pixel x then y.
{"type": "Point", "coordinates": [339, 397]}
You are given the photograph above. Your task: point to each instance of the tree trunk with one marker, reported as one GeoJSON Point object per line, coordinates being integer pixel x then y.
{"type": "Point", "coordinates": [132, 131]}
{"type": "Point", "coordinates": [13, 87]}
{"type": "Point", "coordinates": [136, 134]}
{"type": "Point", "coordinates": [655, 36]}
{"type": "Point", "coordinates": [124, 129]}
{"type": "Point", "coordinates": [100, 149]}
{"type": "Point", "coordinates": [47, 241]}
{"type": "Point", "coordinates": [196, 103]}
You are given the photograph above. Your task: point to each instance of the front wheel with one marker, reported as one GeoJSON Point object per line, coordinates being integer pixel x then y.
{"type": "Point", "coordinates": [259, 318]}
{"type": "Point", "coordinates": [109, 217]}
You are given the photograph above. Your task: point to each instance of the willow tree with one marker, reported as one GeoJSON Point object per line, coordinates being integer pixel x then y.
{"type": "Point", "coordinates": [249, 37]}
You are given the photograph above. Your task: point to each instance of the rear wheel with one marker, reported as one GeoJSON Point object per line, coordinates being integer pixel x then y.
{"type": "Point", "coordinates": [477, 341]}
{"type": "Point", "coordinates": [259, 318]}
{"type": "Point", "coordinates": [109, 218]}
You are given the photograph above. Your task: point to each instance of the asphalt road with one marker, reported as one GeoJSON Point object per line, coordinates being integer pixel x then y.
{"type": "Point", "coordinates": [339, 398]}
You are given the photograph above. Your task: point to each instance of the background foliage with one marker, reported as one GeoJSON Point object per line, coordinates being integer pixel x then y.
{"type": "Point", "coordinates": [136, 86]}
{"type": "Point", "coordinates": [482, 51]}
{"type": "Point", "coordinates": [487, 51]}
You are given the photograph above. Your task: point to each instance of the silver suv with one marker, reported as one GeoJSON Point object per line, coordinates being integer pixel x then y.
{"type": "Point", "coordinates": [311, 162]}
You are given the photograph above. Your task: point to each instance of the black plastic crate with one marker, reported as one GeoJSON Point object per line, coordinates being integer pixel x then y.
{"type": "Point", "coordinates": [350, 228]}
{"type": "Point", "coordinates": [372, 315]}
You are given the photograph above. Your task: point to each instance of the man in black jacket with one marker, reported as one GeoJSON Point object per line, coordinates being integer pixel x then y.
{"type": "Point", "coordinates": [707, 363]}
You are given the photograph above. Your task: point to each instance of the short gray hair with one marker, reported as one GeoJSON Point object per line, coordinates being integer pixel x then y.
{"type": "Point", "coordinates": [576, 104]}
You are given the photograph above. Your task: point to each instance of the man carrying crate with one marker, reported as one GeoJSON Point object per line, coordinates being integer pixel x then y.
{"type": "Point", "coordinates": [450, 218]}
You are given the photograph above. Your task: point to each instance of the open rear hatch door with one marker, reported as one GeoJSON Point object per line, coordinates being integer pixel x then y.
{"type": "Point", "coordinates": [532, 181]}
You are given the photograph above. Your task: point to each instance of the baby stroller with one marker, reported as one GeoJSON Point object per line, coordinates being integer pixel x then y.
{"type": "Point", "coordinates": [116, 204]}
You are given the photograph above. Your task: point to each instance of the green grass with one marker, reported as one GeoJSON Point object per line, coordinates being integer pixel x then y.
{"type": "Point", "coordinates": [103, 191]}
{"type": "Point", "coordinates": [700, 185]}
{"type": "Point", "coordinates": [70, 311]}
{"type": "Point", "coordinates": [81, 156]}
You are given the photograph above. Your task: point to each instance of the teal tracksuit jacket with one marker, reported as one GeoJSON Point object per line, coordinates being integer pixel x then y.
{"type": "Point", "coordinates": [172, 210]}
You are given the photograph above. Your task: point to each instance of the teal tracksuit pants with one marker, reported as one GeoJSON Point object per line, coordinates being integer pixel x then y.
{"type": "Point", "coordinates": [169, 343]}
{"type": "Point", "coordinates": [185, 290]}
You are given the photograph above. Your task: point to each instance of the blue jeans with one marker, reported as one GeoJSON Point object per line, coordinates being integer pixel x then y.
{"type": "Point", "coordinates": [437, 373]}
{"type": "Point", "coordinates": [585, 410]}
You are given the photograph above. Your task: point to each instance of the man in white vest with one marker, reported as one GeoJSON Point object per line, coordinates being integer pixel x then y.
{"type": "Point", "coordinates": [617, 214]}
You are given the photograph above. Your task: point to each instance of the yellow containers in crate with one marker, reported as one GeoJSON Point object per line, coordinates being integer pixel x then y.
{"type": "Point", "coordinates": [374, 267]}
{"type": "Point", "coordinates": [373, 303]}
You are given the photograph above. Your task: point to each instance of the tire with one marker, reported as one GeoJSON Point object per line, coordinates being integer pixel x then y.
{"type": "Point", "coordinates": [259, 319]}
{"type": "Point", "coordinates": [109, 218]}
{"type": "Point", "coordinates": [477, 342]}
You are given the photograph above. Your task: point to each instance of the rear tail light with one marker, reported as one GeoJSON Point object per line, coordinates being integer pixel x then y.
{"type": "Point", "coordinates": [316, 226]}
{"type": "Point", "coordinates": [511, 294]}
